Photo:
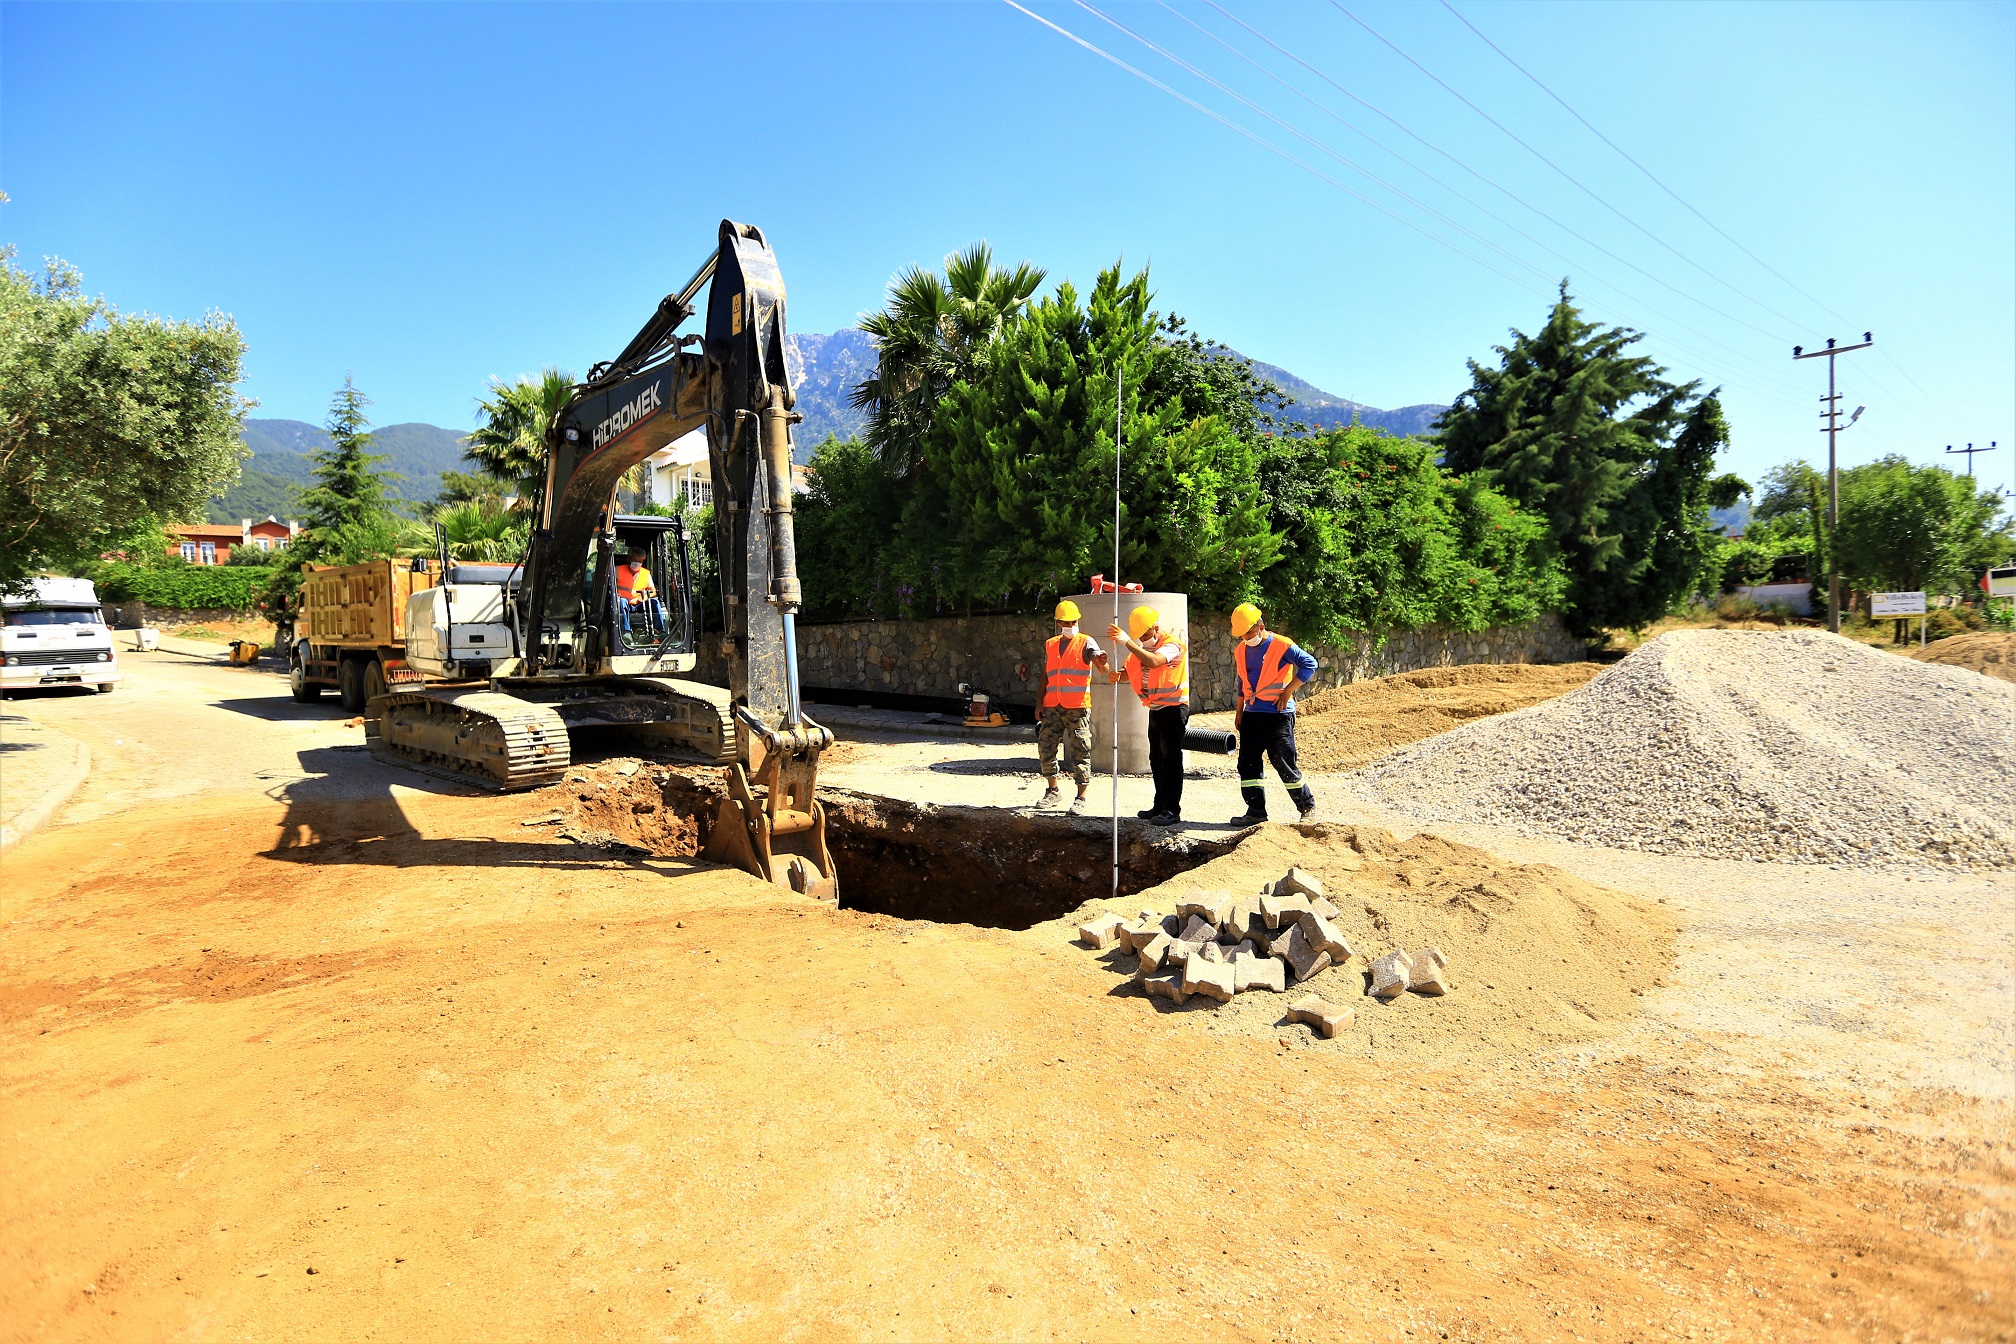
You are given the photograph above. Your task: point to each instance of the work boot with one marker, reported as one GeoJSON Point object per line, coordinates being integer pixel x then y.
{"type": "Point", "coordinates": [1309, 812]}
{"type": "Point", "coordinates": [1077, 808]}
{"type": "Point", "coordinates": [1050, 797]}
{"type": "Point", "coordinates": [1148, 813]}
{"type": "Point", "coordinates": [1165, 819]}
{"type": "Point", "coordinates": [1249, 819]}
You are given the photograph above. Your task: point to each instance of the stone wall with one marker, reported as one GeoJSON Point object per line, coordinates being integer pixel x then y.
{"type": "Point", "coordinates": [132, 615]}
{"type": "Point", "coordinates": [1004, 655]}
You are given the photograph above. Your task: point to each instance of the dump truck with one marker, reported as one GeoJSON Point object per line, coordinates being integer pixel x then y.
{"type": "Point", "coordinates": [348, 630]}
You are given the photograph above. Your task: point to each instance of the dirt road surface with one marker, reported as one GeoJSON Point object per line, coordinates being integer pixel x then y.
{"type": "Point", "coordinates": [293, 1045]}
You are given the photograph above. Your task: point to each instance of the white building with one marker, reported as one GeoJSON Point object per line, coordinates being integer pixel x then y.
{"type": "Point", "coordinates": [681, 471]}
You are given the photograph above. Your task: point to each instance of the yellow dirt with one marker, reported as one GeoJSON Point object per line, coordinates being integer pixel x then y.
{"type": "Point", "coordinates": [1989, 652]}
{"type": "Point", "coordinates": [1351, 726]}
{"type": "Point", "coordinates": [406, 1068]}
{"type": "Point", "coordinates": [1537, 957]}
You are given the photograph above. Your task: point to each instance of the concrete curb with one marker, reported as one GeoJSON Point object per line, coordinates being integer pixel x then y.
{"type": "Point", "coordinates": [31, 818]}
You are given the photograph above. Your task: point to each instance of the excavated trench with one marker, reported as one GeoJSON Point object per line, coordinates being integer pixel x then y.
{"type": "Point", "coordinates": [956, 865]}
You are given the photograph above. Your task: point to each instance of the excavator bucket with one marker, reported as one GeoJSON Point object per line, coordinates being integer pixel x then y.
{"type": "Point", "coordinates": [777, 828]}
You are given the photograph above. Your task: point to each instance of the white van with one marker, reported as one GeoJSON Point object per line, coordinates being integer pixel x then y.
{"type": "Point", "coordinates": [54, 634]}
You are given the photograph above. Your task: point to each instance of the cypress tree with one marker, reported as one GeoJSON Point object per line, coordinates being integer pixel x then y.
{"type": "Point", "coordinates": [347, 490]}
{"type": "Point", "coordinates": [1615, 458]}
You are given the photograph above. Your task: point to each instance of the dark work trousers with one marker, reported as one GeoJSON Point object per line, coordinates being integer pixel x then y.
{"type": "Point", "coordinates": [1165, 756]}
{"type": "Point", "coordinates": [1269, 737]}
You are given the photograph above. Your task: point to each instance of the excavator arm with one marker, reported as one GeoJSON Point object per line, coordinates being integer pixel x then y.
{"type": "Point", "coordinates": [740, 384]}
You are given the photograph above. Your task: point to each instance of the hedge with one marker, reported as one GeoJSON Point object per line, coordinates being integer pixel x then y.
{"type": "Point", "coordinates": [215, 587]}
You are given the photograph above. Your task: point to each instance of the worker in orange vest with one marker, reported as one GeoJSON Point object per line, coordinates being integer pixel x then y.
{"type": "Point", "coordinates": [1271, 669]}
{"type": "Point", "coordinates": [1066, 717]}
{"type": "Point", "coordinates": [634, 589]}
{"type": "Point", "coordinates": [1159, 670]}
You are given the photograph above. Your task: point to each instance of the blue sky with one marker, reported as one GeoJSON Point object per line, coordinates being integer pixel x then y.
{"type": "Point", "coordinates": [428, 196]}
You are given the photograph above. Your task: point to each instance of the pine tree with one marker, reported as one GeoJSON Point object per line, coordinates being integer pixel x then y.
{"type": "Point", "coordinates": [347, 490]}
{"type": "Point", "coordinates": [1614, 457]}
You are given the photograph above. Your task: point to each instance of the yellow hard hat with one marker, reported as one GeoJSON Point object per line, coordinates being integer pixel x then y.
{"type": "Point", "coordinates": [1244, 617]}
{"type": "Point", "coordinates": [1140, 619]}
{"type": "Point", "coordinates": [1067, 610]}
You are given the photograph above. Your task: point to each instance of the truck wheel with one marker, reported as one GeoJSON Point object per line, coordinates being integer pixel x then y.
{"type": "Point", "coordinates": [374, 681]}
{"type": "Point", "coordinates": [350, 684]}
{"type": "Point", "coordinates": [107, 687]}
{"type": "Point", "coordinates": [306, 691]}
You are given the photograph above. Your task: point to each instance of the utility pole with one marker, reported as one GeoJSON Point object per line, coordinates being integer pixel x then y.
{"type": "Point", "coordinates": [1970, 450]}
{"type": "Point", "coordinates": [1832, 415]}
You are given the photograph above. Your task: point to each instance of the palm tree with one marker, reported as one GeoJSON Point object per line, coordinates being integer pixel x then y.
{"type": "Point", "coordinates": [482, 531]}
{"type": "Point", "coordinates": [510, 444]}
{"type": "Point", "coordinates": [932, 334]}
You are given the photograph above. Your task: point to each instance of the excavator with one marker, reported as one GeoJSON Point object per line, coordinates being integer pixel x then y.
{"type": "Point", "coordinates": [526, 655]}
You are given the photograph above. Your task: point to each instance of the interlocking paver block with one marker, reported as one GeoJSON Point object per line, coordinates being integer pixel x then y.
{"type": "Point", "coordinates": [1141, 933]}
{"type": "Point", "coordinates": [1302, 956]}
{"type": "Point", "coordinates": [1258, 973]}
{"type": "Point", "coordinates": [1199, 931]}
{"type": "Point", "coordinates": [1211, 905]}
{"type": "Point", "coordinates": [1322, 906]}
{"type": "Point", "coordinates": [1215, 952]}
{"type": "Point", "coordinates": [1244, 919]}
{"type": "Point", "coordinates": [1213, 978]}
{"type": "Point", "coordinates": [1168, 987]}
{"type": "Point", "coordinates": [1391, 974]}
{"type": "Point", "coordinates": [1426, 974]}
{"type": "Point", "coordinates": [1156, 952]}
{"type": "Point", "coordinates": [1299, 882]}
{"type": "Point", "coordinates": [1327, 1018]}
{"type": "Point", "coordinates": [1277, 910]}
{"type": "Point", "coordinates": [1101, 932]}
{"type": "Point", "coordinates": [1322, 933]}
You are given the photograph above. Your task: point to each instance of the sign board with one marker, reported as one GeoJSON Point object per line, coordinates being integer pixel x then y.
{"type": "Point", "coordinates": [2000, 582]}
{"type": "Point", "coordinates": [1896, 604]}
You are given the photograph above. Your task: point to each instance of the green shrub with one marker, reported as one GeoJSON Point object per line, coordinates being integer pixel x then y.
{"type": "Point", "coordinates": [216, 587]}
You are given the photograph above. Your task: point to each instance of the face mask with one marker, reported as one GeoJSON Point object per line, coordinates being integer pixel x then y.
{"type": "Point", "coordinates": [1253, 641]}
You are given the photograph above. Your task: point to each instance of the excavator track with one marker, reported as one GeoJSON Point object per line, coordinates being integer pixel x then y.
{"type": "Point", "coordinates": [482, 737]}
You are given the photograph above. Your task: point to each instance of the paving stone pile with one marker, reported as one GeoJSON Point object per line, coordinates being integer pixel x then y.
{"type": "Point", "coordinates": [1216, 945]}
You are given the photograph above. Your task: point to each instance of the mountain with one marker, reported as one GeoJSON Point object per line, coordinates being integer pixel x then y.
{"type": "Point", "coordinates": [280, 467]}
{"type": "Point", "coordinates": [830, 367]}
{"type": "Point", "coordinates": [1326, 410]}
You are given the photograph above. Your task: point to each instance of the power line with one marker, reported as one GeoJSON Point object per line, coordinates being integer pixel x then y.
{"type": "Point", "coordinates": [1307, 138]}
{"type": "Point", "coordinates": [1639, 166]}
{"type": "Point", "coordinates": [1312, 169]}
{"type": "Point", "coordinates": [1569, 177]}
{"type": "Point", "coordinates": [1487, 181]}
{"type": "Point", "coordinates": [1763, 371]}
{"type": "Point", "coordinates": [1656, 181]}
{"type": "Point", "coordinates": [1264, 143]}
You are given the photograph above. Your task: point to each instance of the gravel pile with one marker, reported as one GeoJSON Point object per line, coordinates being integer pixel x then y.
{"type": "Point", "coordinates": [1794, 746]}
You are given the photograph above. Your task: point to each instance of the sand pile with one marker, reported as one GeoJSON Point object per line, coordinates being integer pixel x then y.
{"type": "Point", "coordinates": [1989, 652]}
{"type": "Point", "coordinates": [1534, 957]}
{"type": "Point", "coordinates": [1794, 746]}
{"type": "Point", "coordinates": [1351, 726]}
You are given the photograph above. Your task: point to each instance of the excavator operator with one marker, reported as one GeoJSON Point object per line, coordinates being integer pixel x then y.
{"type": "Point", "coordinates": [635, 591]}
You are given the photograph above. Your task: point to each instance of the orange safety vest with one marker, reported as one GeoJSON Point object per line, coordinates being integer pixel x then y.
{"type": "Point", "coordinates": [1068, 676]}
{"type": "Point", "coordinates": [1160, 687]}
{"type": "Point", "coordinates": [1274, 678]}
{"type": "Point", "coordinates": [629, 578]}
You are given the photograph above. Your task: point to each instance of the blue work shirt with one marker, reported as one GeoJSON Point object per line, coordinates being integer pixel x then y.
{"type": "Point", "coordinates": [1297, 657]}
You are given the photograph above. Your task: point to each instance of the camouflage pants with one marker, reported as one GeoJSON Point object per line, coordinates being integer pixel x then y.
{"type": "Point", "coordinates": [1070, 729]}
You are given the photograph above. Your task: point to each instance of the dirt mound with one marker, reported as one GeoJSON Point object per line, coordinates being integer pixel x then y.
{"type": "Point", "coordinates": [622, 803]}
{"type": "Point", "coordinates": [1537, 957]}
{"type": "Point", "coordinates": [1798, 746]}
{"type": "Point", "coordinates": [1351, 726]}
{"type": "Point", "coordinates": [1989, 652]}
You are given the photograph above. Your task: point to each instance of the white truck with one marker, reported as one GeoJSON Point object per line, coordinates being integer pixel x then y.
{"type": "Point", "coordinates": [54, 634]}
